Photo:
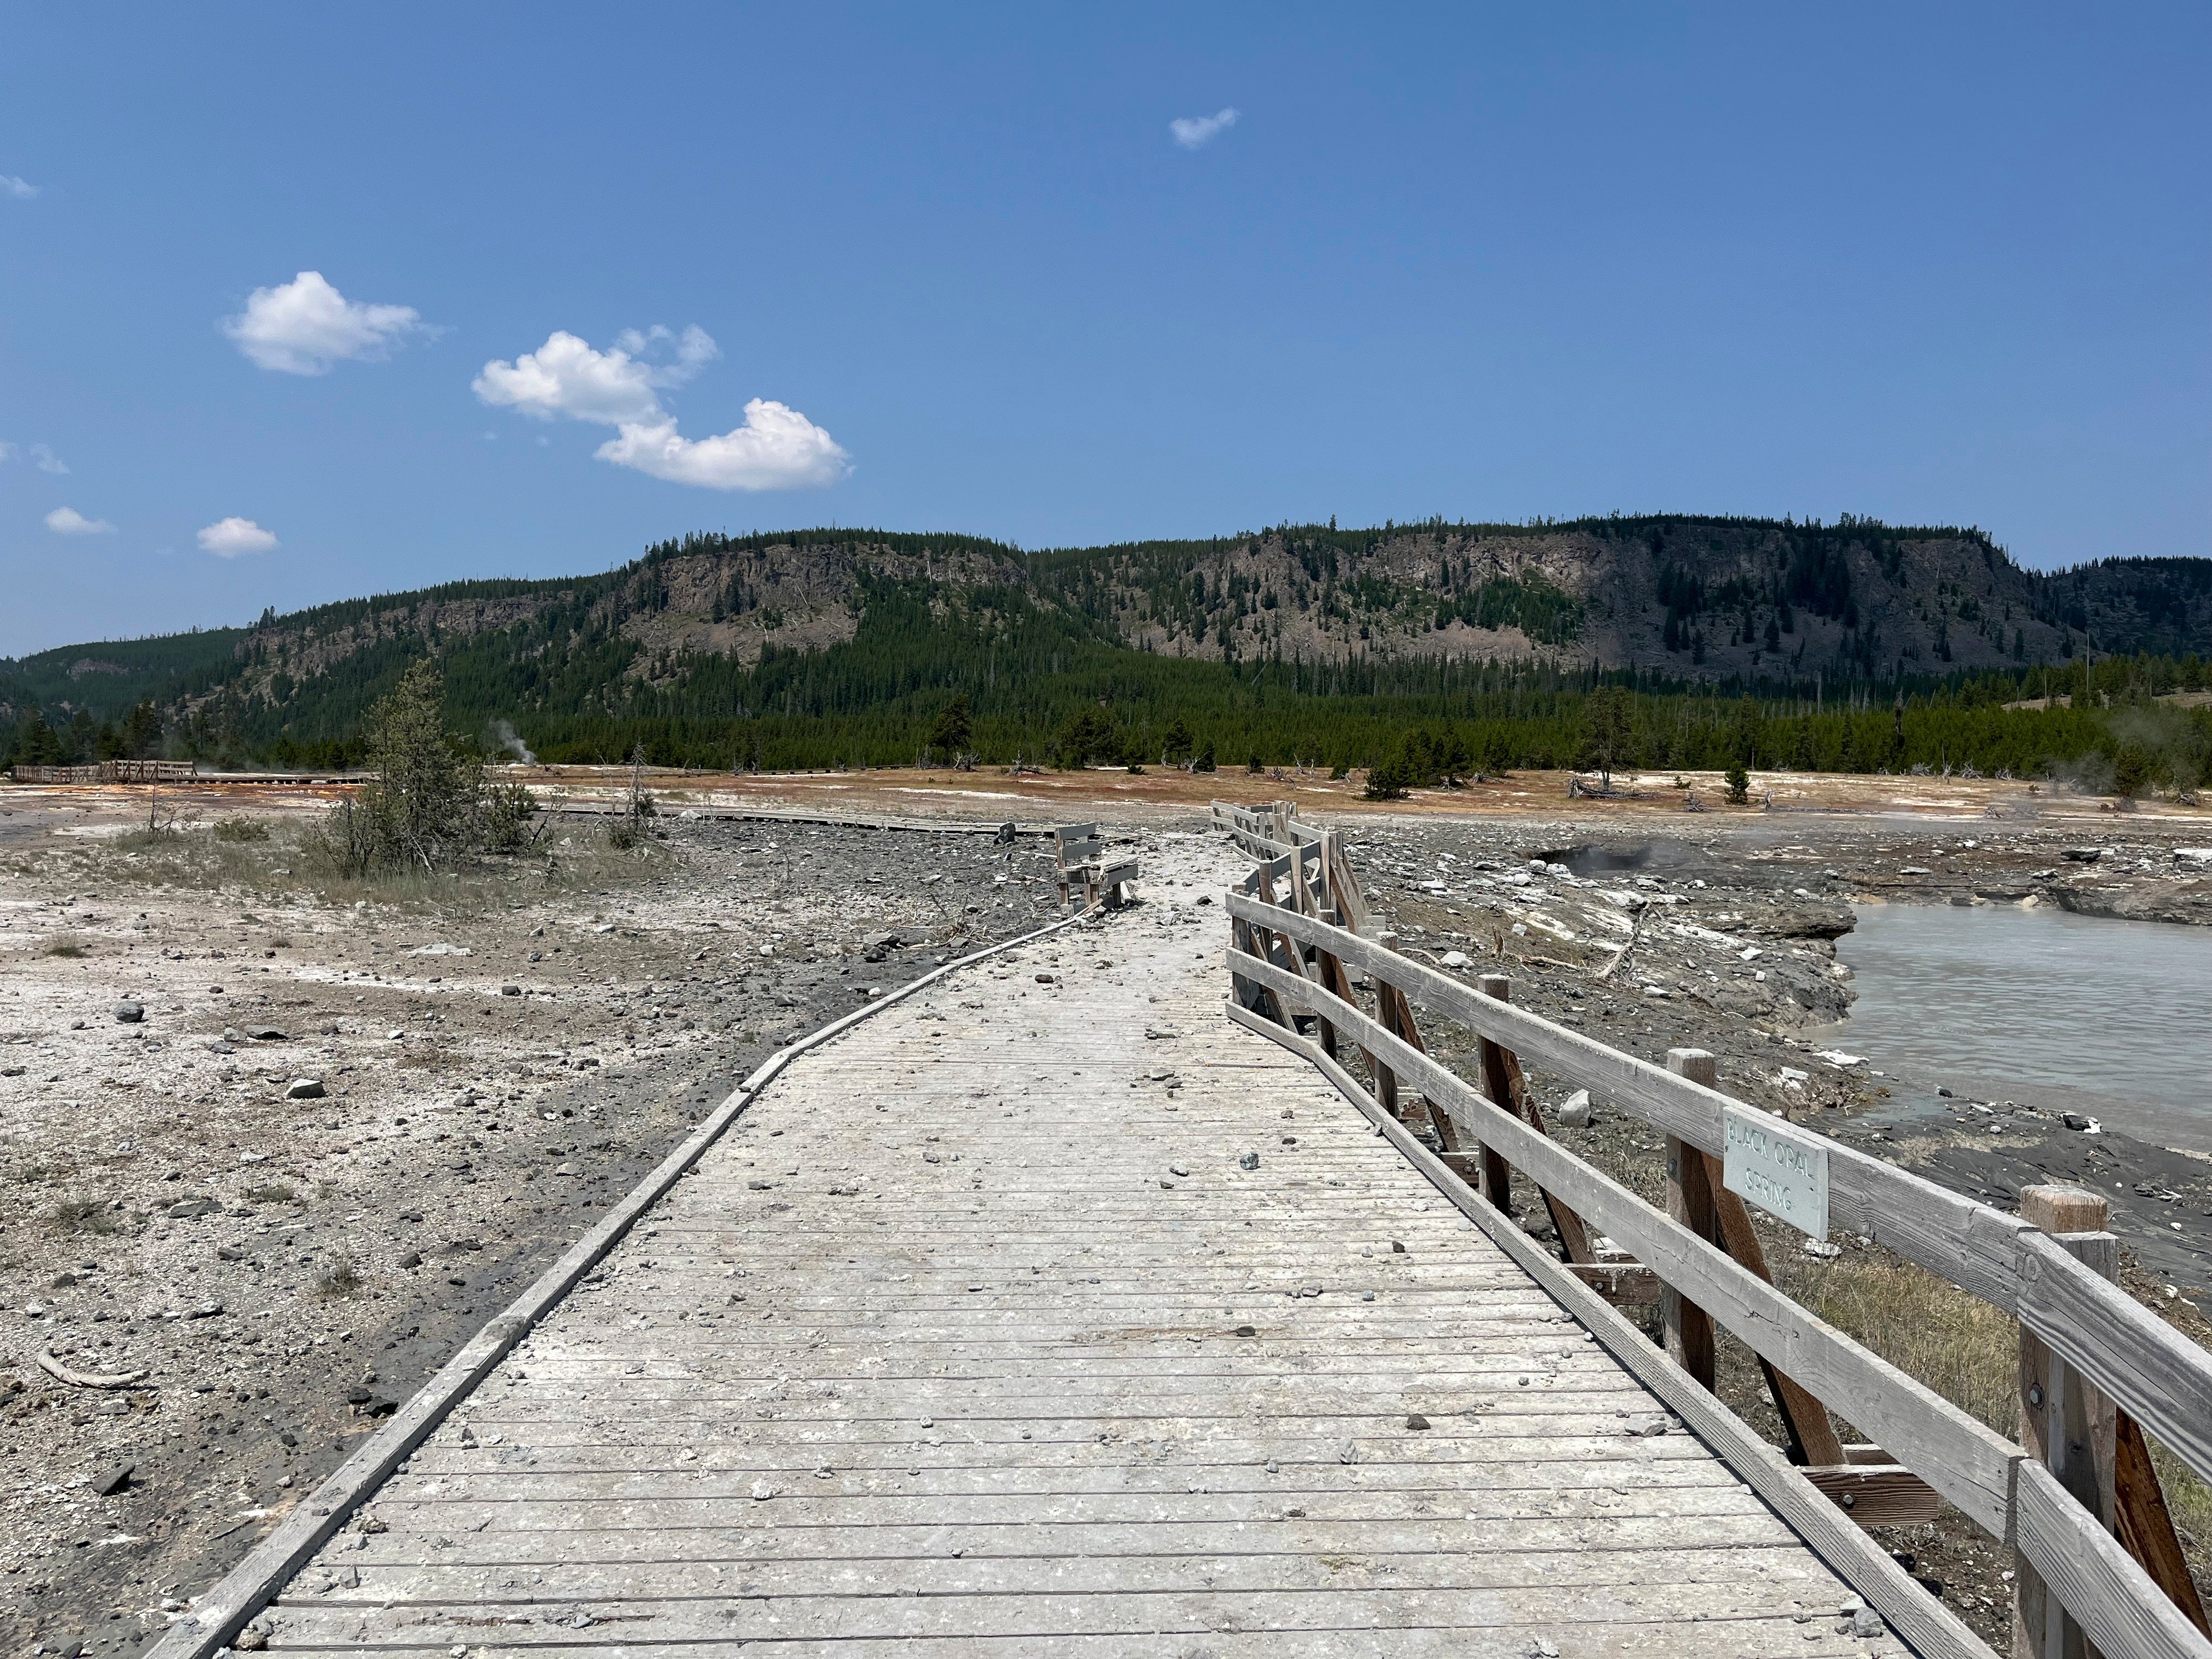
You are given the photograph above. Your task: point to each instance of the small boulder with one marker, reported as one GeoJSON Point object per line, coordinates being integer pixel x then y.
{"type": "Point", "coordinates": [2075, 1121]}
{"type": "Point", "coordinates": [510, 990]}
{"type": "Point", "coordinates": [1574, 1111]}
{"type": "Point", "coordinates": [1454, 959]}
{"type": "Point", "coordinates": [1249, 1161]}
{"type": "Point", "coordinates": [111, 1480]}
{"type": "Point", "coordinates": [1414, 1420]}
{"type": "Point", "coordinates": [268, 1034]}
{"type": "Point", "coordinates": [305, 1088]}
{"type": "Point", "coordinates": [129, 1014]}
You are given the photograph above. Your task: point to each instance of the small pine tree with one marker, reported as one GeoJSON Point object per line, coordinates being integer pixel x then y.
{"type": "Point", "coordinates": [954, 728]}
{"type": "Point", "coordinates": [1739, 785]}
{"type": "Point", "coordinates": [1387, 781]}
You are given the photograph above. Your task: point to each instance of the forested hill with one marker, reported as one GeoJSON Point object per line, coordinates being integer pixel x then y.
{"type": "Point", "coordinates": [867, 629]}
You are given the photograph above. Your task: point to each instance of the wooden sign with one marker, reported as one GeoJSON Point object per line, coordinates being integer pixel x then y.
{"type": "Point", "coordinates": [1782, 1169]}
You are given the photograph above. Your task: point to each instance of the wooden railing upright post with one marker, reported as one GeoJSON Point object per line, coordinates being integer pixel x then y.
{"type": "Point", "coordinates": [1812, 1439]}
{"type": "Point", "coordinates": [1689, 1329]}
{"type": "Point", "coordinates": [1501, 1081]}
{"type": "Point", "coordinates": [2067, 1423]}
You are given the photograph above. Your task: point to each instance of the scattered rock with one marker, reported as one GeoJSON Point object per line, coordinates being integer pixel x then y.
{"type": "Point", "coordinates": [268, 1034]}
{"type": "Point", "coordinates": [305, 1088]}
{"type": "Point", "coordinates": [129, 1014]}
{"type": "Point", "coordinates": [192, 1209]}
{"type": "Point", "coordinates": [112, 1480]}
{"type": "Point", "coordinates": [1826, 1252]}
{"type": "Point", "coordinates": [1249, 1161]}
{"type": "Point", "coordinates": [1575, 1110]}
{"type": "Point", "coordinates": [1416, 1421]}
{"type": "Point", "coordinates": [2073, 1121]}
{"type": "Point", "coordinates": [1454, 958]}
{"type": "Point", "coordinates": [254, 1639]}
{"type": "Point", "coordinates": [514, 990]}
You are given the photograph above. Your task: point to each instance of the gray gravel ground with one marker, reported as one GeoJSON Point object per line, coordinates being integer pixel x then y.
{"type": "Point", "coordinates": [499, 1062]}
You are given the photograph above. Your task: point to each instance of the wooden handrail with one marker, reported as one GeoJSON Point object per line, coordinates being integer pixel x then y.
{"type": "Point", "coordinates": [2162, 1378]}
{"type": "Point", "coordinates": [1966, 1461]}
{"type": "Point", "coordinates": [2051, 1285]}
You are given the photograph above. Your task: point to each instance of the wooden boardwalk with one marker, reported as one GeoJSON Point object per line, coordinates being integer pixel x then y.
{"type": "Point", "coordinates": [973, 1336]}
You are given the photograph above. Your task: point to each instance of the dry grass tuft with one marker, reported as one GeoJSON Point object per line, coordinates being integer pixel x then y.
{"type": "Point", "coordinates": [343, 1279]}
{"type": "Point", "coordinates": [83, 1215]}
{"type": "Point", "coordinates": [66, 946]}
{"type": "Point", "coordinates": [1957, 1344]}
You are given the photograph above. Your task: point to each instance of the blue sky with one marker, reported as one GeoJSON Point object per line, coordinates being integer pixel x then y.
{"type": "Point", "coordinates": [1934, 264]}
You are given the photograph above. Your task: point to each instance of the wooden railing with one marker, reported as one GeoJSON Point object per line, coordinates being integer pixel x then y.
{"type": "Point", "coordinates": [110, 771]}
{"type": "Point", "coordinates": [1089, 873]}
{"type": "Point", "coordinates": [2096, 1557]}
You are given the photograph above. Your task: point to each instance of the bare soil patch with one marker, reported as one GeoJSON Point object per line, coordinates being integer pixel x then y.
{"type": "Point", "coordinates": [274, 1145]}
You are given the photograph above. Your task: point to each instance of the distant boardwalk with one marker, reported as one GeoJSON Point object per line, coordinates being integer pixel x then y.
{"type": "Point", "coordinates": [974, 1337]}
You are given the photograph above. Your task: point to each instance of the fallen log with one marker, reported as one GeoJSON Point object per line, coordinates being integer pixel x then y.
{"type": "Point", "coordinates": [54, 1368]}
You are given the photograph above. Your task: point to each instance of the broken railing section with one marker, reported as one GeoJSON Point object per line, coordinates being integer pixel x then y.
{"type": "Point", "coordinates": [1088, 871]}
{"type": "Point", "coordinates": [2098, 1561]}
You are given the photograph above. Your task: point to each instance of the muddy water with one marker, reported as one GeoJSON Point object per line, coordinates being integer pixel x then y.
{"type": "Point", "coordinates": [2079, 1013]}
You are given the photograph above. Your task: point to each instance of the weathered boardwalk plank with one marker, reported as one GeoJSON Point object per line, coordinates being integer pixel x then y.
{"type": "Point", "coordinates": [974, 1337]}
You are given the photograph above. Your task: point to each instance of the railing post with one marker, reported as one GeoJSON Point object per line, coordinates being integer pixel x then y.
{"type": "Point", "coordinates": [1501, 1081]}
{"type": "Point", "coordinates": [2066, 1422]}
{"type": "Point", "coordinates": [1689, 1329]}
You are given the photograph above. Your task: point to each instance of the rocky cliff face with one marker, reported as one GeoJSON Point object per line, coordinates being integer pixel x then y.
{"type": "Point", "coordinates": [1685, 597]}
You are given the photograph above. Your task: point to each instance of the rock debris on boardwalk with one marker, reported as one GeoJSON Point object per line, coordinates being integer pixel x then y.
{"type": "Point", "coordinates": [984, 1331]}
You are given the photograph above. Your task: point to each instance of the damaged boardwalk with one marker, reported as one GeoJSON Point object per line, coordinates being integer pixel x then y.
{"type": "Point", "coordinates": [1058, 1317]}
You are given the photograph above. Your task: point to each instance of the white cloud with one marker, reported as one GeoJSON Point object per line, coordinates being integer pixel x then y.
{"type": "Point", "coordinates": [1192, 133]}
{"type": "Point", "coordinates": [565, 376]}
{"type": "Point", "coordinates": [7, 452]}
{"type": "Point", "coordinates": [47, 461]}
{"type": "Point", "coordinates": [228, 537]}
{"type": "Point", "coordinates": [67, 522]}
{"type": "Point", "coordinates": [306, 325]}
{"type": "Point", "coordinates": [776, 448]}
{"type": "Point", "coordinates": [18, 190]}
